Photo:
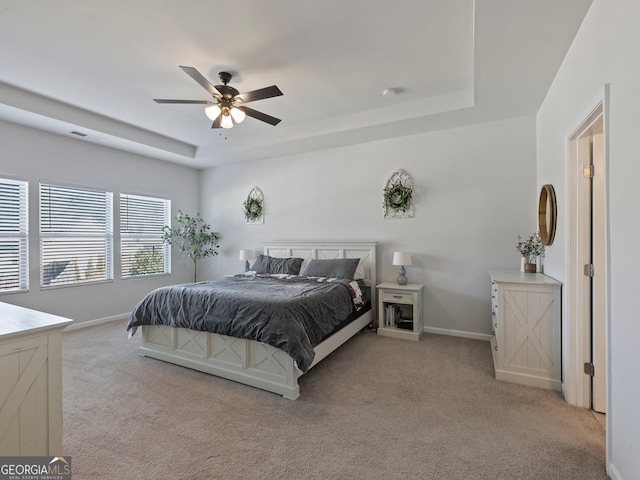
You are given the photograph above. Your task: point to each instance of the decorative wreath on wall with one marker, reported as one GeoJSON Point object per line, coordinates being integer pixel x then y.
{"type": "Point", "coordinates": [253, 206]}
{"type": "Point", "coordinates": [398, 196]}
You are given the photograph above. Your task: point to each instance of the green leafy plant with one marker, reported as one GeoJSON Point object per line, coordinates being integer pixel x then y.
{"type": "Point", "coordinates": [398, 197]}
{"type": "Point", "coordinates": [192, 236]}
{"type": "Point", "coordinates": [252, 208]}
{"type": "Point", "coordinates": [530, 248]}
{"type": "Point", "coordinates": [147, 261]}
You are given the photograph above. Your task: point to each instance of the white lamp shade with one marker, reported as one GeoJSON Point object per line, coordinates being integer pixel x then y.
{"type": "Point", "coordinates": [226, 121]}
{"type": "Point", "coordinates": [401, 258]}
{"type": "Point", "coordinates": [238, 115]}
{"type": "Point", "coordinates": [246, 255]}
{"type": "Point", "coordinates": [212, 112]}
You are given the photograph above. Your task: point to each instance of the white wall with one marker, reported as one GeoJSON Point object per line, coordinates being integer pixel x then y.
{"type": "Point", "coordinates": [34, 155]}
{"type": "Point", "coordinates": [475, 192]}
{"type": "Point", "coordinates": [605, 51]}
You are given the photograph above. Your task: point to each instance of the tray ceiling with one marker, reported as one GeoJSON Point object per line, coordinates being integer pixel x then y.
{"type": "Point", "coordinates": [94, 67]}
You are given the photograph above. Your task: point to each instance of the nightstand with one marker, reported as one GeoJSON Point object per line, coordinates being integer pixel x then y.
{"type": "Point", "coordinates": [400, 310]}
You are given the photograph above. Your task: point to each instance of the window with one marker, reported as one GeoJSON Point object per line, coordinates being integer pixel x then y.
{"type": "Point", "coordinates": [76, 235]}
{"type": "Point", "coordinates": [14, 244]}
{"type": "Point", "coordinates": [141, 247]}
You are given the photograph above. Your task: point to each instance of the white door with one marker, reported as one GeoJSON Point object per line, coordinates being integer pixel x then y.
{"type": "Point", "coordinates": [598, 297]}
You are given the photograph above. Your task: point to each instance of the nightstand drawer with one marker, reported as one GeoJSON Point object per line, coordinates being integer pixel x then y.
{"type": "Point", "coordinates": [397, 297]}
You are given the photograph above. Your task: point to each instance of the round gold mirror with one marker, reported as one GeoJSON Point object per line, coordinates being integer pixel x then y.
{"type": "Point", "coordinates": [547, 214]}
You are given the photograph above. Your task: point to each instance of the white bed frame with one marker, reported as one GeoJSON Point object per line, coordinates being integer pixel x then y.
{"type": "Point", "coordinates": [251, 362]}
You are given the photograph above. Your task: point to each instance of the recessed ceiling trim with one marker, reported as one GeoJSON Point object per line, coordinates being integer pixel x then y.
{"type": "Point", "coordinates": [36, 111]}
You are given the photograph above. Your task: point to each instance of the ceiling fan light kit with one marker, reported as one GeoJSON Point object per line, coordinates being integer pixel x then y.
{"type": "Point", "coordinates": [223, 111]}
{"type": "Point", "coordinates": [237, 115]}
{"type": "Point", "coordinates": [212, 112]}
{"type": "Point", "coordinates": [225, 120]}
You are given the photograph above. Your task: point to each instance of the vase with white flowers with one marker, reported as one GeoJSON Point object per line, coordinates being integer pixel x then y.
{"type": "Point", "coordinates": [531, 249]}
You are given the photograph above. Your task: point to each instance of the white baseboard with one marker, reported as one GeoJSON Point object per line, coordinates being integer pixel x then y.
{"type": "Point", "coordinates": [97, 321]}
{"type": "Point", "coordinates": [614, 473]}
{"type": "Point", "coordinates": [458, 333]}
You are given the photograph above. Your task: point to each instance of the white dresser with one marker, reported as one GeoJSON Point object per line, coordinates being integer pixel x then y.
{"type": "Point", "coordinates": [526, 325]}
{"type": "Point", "coordinates": [31, 382]}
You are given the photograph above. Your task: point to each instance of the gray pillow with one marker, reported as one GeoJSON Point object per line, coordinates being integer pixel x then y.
{"type": "Point", "coordinates": [334, 268]}
{"type": "Point", "coordinates": [267, 264]}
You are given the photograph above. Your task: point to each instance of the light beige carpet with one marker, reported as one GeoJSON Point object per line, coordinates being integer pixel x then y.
{"type": "Point", "coordinates": [378, 408]}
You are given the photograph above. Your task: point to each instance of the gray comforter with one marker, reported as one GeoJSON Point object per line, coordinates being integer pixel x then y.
{"type": "Point", "coordinates": [292, 314]}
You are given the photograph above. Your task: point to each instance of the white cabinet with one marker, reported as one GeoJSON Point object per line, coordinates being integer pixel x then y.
{"type": "Point", "coordinates": [31, 382]}
{"type": "Point", "coordinates": [406, 300]}
{"type": "Point", "coordinates": [526, 325]}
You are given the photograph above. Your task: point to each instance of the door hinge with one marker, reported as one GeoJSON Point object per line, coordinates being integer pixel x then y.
{"type": "Point", "coordinates": [589, 369]}
{"type": "Point", "coordinates": [588, 171]}
{"type": "Point", "coordinates": [588, 270]}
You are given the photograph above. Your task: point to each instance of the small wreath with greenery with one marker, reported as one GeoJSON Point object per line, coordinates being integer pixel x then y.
{"type": "Point", "coordinates": [398, 197]}
{"type": "Point", "coordinates": [252, 208]}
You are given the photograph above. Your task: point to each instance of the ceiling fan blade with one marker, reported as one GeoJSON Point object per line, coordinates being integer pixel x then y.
{"type": "Point", "coordinates": [198, 102]}
{"type": "Point", "coordinates": [266, 92]}
{"type": "Point", "coordinates": [206, 84]}
{"type": "Point", "coordinates": [217, 122]}
{"type": "Point", "coordinates": [259, 115]}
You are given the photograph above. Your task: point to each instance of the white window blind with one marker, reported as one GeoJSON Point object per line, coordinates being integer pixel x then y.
{"type": "Point", "coordinates": [141, 247]}
{"type": "Point", "coordinates": [76, 235]}
{"type": "Point", "coordinates": [14, 229]}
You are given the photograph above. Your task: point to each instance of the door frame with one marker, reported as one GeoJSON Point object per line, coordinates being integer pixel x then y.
{"type": "Point", "coordinates": [599, 281]}
{"type": "Point", "coordinates": [577, 385]}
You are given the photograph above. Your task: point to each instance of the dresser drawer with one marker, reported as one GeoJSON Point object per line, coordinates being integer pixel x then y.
{"type": "Point", "coordinates": [397, 297]}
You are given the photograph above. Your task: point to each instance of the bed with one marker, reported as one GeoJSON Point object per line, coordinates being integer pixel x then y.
{"type": "Point", "coordinates": [257, 363]}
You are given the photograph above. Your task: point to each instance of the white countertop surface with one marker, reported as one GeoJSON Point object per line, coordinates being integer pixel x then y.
{"type": "Point", "coordinates": [14, 320]}
{"type": "Point", "coordinates": [513, 276]}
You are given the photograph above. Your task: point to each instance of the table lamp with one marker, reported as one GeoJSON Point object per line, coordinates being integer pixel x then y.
{"type": "Point", "coordinates": [246, 255]}
{"type": "Point", "coordinates": [402, 259]}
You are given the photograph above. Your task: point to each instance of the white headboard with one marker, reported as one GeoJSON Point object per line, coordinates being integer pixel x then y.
{"type": "Point", "coordinates": [365, 251]}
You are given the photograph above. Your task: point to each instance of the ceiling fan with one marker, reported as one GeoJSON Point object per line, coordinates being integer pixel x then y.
{"type": "Point", "coordinates": [228, 103]}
